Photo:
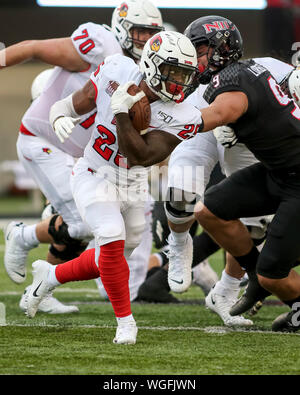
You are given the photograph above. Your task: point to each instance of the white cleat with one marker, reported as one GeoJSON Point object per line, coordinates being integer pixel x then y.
{"type": "Point", "coordinates": [48, 304]}
{"type": "Point", "coordinates": [126, 333]}
{"type": "Point", "coordinates": [221, 305]}
{"type": "Point", "coordinates": [39, 288]}
{"type": "Point", "coordinates": [15, 256]}
{"type": "Point", "coordinates": [180, 264]}
{"type": "Point", "coordinates": [204, 276]}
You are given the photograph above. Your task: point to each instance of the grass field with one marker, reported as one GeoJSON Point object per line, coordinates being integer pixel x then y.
{"type": "Point", "coordinates": [183, 339]}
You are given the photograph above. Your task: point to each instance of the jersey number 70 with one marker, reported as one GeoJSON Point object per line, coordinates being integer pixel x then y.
{"type": "Point", "coordinates": [87, 45]}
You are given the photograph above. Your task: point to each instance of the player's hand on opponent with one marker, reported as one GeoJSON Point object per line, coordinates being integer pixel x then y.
{"type": "Point", "coordinates": [63, 127]}
{"type": "Point", "coordinates": [225, 136]}
{"type": "Point", "coordinates": [122, 101]}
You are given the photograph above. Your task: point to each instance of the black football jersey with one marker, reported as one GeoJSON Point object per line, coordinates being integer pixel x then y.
{"type": "Point", "coordinates": [271, 126]}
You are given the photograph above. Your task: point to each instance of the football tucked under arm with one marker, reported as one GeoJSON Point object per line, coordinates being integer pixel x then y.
{"type": "Point", "coordinates": [130, 99]}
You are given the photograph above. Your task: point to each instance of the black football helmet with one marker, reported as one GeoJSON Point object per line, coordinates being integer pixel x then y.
{"type": "Point", "coordinates": [222, 36]}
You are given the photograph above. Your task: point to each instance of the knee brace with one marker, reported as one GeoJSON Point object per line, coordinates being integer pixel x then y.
{"type": "Point", "coordinates": [73, 247]}
{"type": "Point", "coordinates": [179, 209]}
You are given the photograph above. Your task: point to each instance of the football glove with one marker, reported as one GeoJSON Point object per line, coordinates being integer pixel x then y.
{"type": "Point", "coordinates": [63, 127]}
{"type": "Point", "coordinates": [122, 101]}
{"type": "Point", "coordinates": [225, 136]}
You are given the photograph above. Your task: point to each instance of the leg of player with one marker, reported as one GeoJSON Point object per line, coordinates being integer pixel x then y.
{"type": "Point", "coordinates": [46, 277]}
{"type": "Point", "coordinates": [156, 287]}
{"type": "Point", "coordinates": [180, 242]}
{"type": "Point", "coordinates": [19, 240]}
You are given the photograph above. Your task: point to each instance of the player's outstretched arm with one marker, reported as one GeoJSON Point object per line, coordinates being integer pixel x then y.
{"type": "Point", "coordinates": [57, 52]}
{"type": "Point", "coordinates": [227, 108]}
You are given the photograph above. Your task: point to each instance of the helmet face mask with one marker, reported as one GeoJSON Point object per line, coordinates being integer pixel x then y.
{"type": "Point", "coordinates": [169, 65]}
{"type": "Point", "coordinates": [224, 42]}
{"type": "Point", "coordinates": [132, 19]}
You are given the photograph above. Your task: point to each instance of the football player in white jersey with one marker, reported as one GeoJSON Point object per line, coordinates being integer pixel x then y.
{"type": "Point", "coordinates": [48, 160]}
{"type": "Point", "coordinates": [109, 195]}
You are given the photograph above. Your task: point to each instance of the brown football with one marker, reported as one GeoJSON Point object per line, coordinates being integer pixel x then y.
{"type": "Point", "coordinates": [140, 112]}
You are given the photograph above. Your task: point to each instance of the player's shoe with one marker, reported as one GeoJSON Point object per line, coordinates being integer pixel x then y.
{"type": "Point", "coordinates": [204, 276]}
{"type": "Point", "coordinates": [253, 293]}
{"type": "Point", "coordinates": [180, 264]}
{"type": "Point", "coordinates": [126, 333]}
{"type": "Point", "coordinates": [221, 305]}
{"type": "Point", "coordinates": [15, 256]}
{"type": "Point", "coordinates": [255, 309]}
{"type": "Point", "coordinates": [48, 304]}
{"type": "Point", "coordinates": [39, 287]}
{"type": "Point", "coordinates": [285, 323]}
{"type": "Point", "coordinates": [155, 289]}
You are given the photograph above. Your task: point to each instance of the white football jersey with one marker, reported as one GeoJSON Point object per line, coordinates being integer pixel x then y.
{"type": "Point", "coordinates": [93, 43]}
{"type": "Point", "coordinates": [182, 120]}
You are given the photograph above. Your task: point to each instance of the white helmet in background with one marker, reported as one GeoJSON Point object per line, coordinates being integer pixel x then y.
{"type": "Point", "coordinates": [166, 56]}
{"type": "Point", "coordinates": [140, 14]}
{"type": "Point", "coordinates": [39, 83]}
{"type": "Point", "coordinates": [294, 85]}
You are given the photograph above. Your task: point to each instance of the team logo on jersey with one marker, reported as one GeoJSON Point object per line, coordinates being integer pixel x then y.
{"type": "Point", "coordinates": [218, 25]}
{"type": "Point", "coordinates": [155, 43]}
{"type": "Point", "coordinates": [112, 86]}
{"type": "Point", "coordinates": [47, 150]}
{"type": "Point", "coordinates": [123, 9]}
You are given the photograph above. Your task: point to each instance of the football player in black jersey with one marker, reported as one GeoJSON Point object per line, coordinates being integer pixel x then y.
{"type": "Point", "coordinates": [244, 95]}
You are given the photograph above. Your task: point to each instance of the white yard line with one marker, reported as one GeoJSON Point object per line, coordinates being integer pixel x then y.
{"type": "Point", "coordinates": [220, 330]}
{"type": "Point", "coordinates": [57, 290]}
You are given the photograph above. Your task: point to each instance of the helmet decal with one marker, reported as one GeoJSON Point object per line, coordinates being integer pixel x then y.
{"type": "Point", "coordinates": [123, 9]}
{"type": "Point", "coordinates": [155, 43]}
{"type": "Point", "coordinates": [217, 25]}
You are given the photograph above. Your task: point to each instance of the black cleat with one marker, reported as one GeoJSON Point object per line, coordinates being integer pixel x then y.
{"type": "Point", "coordinates": [285, 322]}
{"type": "Point", "coordinates": [253, 293]}
{"type": "Point", "coordinates": [156, 289]}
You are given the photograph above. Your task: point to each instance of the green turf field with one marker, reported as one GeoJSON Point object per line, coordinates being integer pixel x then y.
{"type": "Point", "coordinates": [173, 339]}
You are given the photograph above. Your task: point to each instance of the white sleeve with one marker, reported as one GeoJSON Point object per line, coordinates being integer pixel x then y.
{"type": "Point", "coordinates": [277, 68]}
{"type": "Point", "coordinates": [93, 43]}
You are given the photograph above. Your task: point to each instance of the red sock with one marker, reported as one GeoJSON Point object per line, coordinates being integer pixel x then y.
{"type": "Point", "coordinates": [78, 269]}
{"type": "Point", "coordinates": [114, 273]}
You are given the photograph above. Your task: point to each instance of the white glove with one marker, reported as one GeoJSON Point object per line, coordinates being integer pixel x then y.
{"type": "Point", "coordinates": [63, 127]}
{"type": "Point", "coordinates": [122, 101]}
{"type": "Point", "coordinates": [225, 136]}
